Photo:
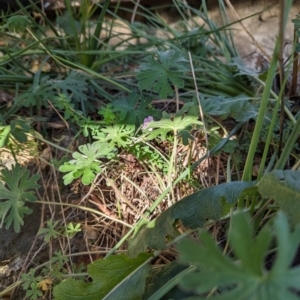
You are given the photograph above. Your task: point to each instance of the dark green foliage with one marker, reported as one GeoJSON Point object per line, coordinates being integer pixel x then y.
{"type": "Point", "coordinates": [244, 277]}
{"type": "Point", "coordinates": [157, 74]}
{"type": "Point", "coordinates": [18, 23]}
{"type": "Point", "coordinates": [14, 194]}
{"type": "Point", "coordinates": [239, 108]}
{"type": "Point", "coordinates": [133, 109]}
{"type": "Point", "coordinates": [284, 188]}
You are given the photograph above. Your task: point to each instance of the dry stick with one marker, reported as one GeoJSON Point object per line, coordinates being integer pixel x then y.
{"type": "Point", "coordinates": [62, 212]}
{"type": "Point", "coordinates": [88, 209]}
{"type": "Point", "coordinates": [134, 11]}
{"type": "Point", "coordinates": [58, 113]}
{"type": "Point", "coordinates": [111, 183]}
{"type": "Point", "coordinates": [247, 31]}
{"type": "Point", "coordinates": [92, 187]}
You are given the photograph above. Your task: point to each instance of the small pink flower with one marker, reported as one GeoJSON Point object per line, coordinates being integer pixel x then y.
{"type": "Point", "coordinates": [146, 122]}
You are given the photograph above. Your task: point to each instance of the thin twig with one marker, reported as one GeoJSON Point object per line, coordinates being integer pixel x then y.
{"type": "Point", "coordinates": [58, 113]}
{"type": "Point", "coordinates": [137, 3]}
{"type": "Point", "coordinates": [118, 193]}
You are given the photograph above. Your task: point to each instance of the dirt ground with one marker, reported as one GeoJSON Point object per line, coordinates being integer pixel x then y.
{"type": "Point", "coordinates": [263, 27]}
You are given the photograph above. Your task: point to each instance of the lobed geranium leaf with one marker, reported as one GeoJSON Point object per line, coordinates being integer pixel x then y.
{"type": "Point", "coordinates": [133, 109]}
{"type": "Point", "coordinates": [18, 23]}
{"type": "Point", "coordinates": [243, 276]}
{"type": "Point", "coordinates": [158, 74]}
{"type": "Point", "coordinates": [116, 135]}
{"type": "Point", "coordinates": [74, 84]}
{"type": "Point", "coordinates": [164, 126]}
{"type": "Point", "coordinates": [17, 191]}
{"type": "Point", "coordinates": [239, 108]}
{"type": "Point", "coordinates": [86, 163]}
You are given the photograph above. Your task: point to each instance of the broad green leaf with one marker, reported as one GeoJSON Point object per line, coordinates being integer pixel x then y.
{"type": "Point", "coordinates": [193, 211]}
{"type": "Point", "coordinates": [239, 108]}
{"type": "Point", "coordinates": [288, 244]}
{"type": "Point", "coordinates": [18, 129]}
{"type": "Point", "coordinates": [88, 175]}
{"type": "Point", "coordinates": [232, 277]}
{"type": "Point", "coordinates": [158, 74]}
{"type": "Point", "coordinates": [66, 167]}
{"type": "Point", "coordinates": [45, 88]}
{"type": "Point", "coordinates": [116, 135]}
{"type": "Point", "coordinates": [37, 94]}
{"type": "Point", "coordinates": [17, 191]}
{"type": "Point", "coordinates": [284, 188]}
{"type": "Point", "coordinates": [163, 127]}
{"type": "Point", "coordinates": [242, 68]}
{"type": "Point", "coordinates": [76, 289]}
{"type": "Point", "coordinates": [18, 23]}
{"type": "Point", "coordinates": [19, 135]}
{"type": "Point", "coordinates": [134, 109]}
{"type": "Point", "coordinates": [246, 245]}
{"type": "Point", "coordinates": [215, 138]}
{"type": "Point", "coordinates": [86, 163]}
{"type": "Point", "coordinates": [74, 84]}
{"type": "Point", "coordinates": [117, 277]}
{"type": "Point", "coordinates": [133, 287]}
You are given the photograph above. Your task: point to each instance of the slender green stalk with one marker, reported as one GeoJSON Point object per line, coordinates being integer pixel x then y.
{"type": "Point", "coordinates": [172, 167]}
{"type": "Point", "coordinates": [99, 24]}
{"type": "Point", "coordinates": [268, 140]}
{"type": "Point", "coordinates": [247, 174]}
